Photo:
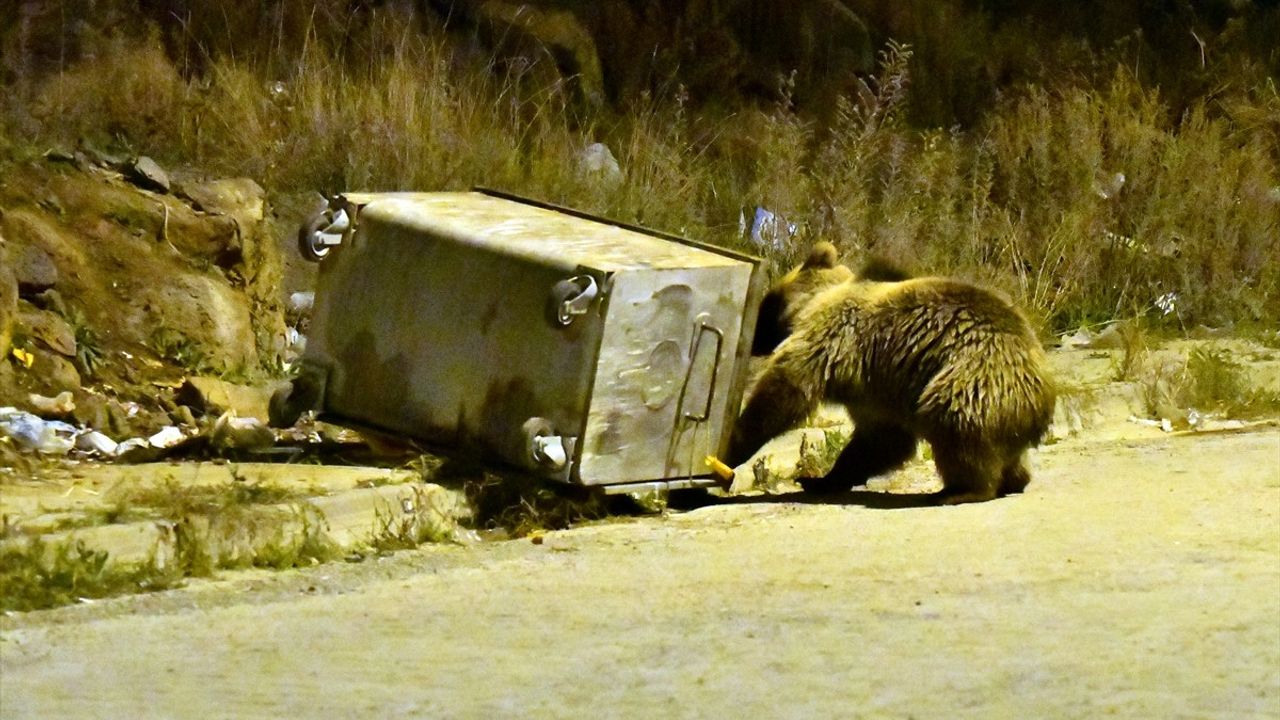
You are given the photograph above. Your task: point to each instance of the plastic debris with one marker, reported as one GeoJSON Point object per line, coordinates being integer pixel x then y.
{"type": "Point", "coordinates": [49, 437]}
{"type": "Point", "coordinates": [768, 230]}
{"type": "Point", "coordinates": [1164, 424]}
{"type": "Point", "coordinates": [167, 437]}
{"type": "Point", "coordinates": [24, 357]}
{"type": "Point", "coordinates": [295, 341]}
{"type": "Point", "coordinates": [92, 441]}
{"type": "Point", "coordinates": [301, 303]}
{"type": "Point", "coordinates": [134, 449]}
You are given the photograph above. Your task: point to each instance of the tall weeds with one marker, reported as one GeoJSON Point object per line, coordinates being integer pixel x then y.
{"type": "Point", "coordinates": [1084, 200]}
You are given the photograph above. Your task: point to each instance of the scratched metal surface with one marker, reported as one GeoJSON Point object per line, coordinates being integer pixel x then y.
{"type": "Point", "coordinates": [431, 319]}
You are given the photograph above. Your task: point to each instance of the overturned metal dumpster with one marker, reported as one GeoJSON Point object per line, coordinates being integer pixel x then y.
{"type": "Point", "coordinates": [584, 350]}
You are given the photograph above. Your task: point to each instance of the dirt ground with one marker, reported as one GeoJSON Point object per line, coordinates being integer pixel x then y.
{"type": "Point", "coordinates": [1135, 578]}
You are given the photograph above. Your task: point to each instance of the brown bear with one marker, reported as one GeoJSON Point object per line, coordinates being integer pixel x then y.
{"type": "Point", "coordinates": [912, 358]}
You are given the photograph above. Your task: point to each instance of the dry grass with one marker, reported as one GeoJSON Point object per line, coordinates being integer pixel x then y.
{"type": "Point", "coordinates": [1086, 200]}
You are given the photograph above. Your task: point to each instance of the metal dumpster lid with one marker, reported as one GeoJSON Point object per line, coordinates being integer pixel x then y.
{"type": "Point", "coordinates": [522, 227]}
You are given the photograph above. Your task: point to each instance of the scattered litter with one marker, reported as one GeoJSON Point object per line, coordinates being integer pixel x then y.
{"type": "Point", "coordinates": [92, 441]}
{"type": "Point", "coordinates": [295, 341]}
{"type": "Point", "coordinates": [134, 449]}
{"type": "Point", "coordinates": [1164, 424]}
{"type": "Point", "coordinates": [50, 437]}
{"type": "Point", "coordinates": [61, 404]}
{"type": "Point", "coordinates": [236, 433]}
{"type": "Point", "coordinates": [768, 230]}
{"type": "Point", "coordinates": [167, 437]}
{"type": "Point", "coordinates": [300, 303]}
{"type": "Point", "coordinates": [1167, 303]}
{"type": "Point", "coordinates": [24, 357]}
{"type": "Point", "coordinates": [1078, 339]}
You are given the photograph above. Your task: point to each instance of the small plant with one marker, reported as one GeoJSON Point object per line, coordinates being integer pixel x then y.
{"type": "Point", "coordinates": [815, 462]}
{"type": "Point", "coordinates": [1134, 350]}
{"type": "Point", "coordinates": [407, 529]}
{"type": "Point", "coordinates": [36, 576]}
{"type": "Point", "coordinates": [1208, 381]}
{"type": "Point", "coordinates": [88, 346]}
{"type": "Point", "coordinates": [1213, 380]}
{"type": "Point", "coordinates": [177, 347]}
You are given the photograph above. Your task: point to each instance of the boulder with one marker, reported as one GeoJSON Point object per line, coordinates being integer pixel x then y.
{"type": "Point", "coordinates": [33, 269]}
{"type": "Point", "coordinates": [147, 174]}
{"type": "Point", "coordinates": [8, 305]}
{"type": "Point", "coordinates": [216, 396]}
{"type": "Point", "coordinates": [47, 328]}
{"type": "Point", "coordinates": [136, 266]}
{"type": "Point", "coordinates": [596, 162]}
{"type": "Point", "coordinates": [50, 374]}
{"type": "Point", "coordinates": [241, 199]}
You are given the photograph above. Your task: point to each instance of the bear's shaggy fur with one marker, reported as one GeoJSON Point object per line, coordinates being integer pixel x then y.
{"type": "Point", "coordinates": [926, 358]}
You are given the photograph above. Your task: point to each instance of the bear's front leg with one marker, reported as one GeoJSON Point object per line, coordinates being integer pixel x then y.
{"type": "Point", "coordinates": [783, 397]}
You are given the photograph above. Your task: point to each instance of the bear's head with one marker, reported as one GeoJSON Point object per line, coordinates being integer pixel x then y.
{"type": "Point", "coordinates": [793, 291]}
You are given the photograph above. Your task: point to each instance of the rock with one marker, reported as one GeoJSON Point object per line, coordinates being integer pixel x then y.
{"type": "Point", "coordinates": [48, 328]}
{"type": "Point", "coordinates": [50, 373]}
{"type": "Point", "coordinates": [183, 416]}
{"type": "Point", "coordinates": [216, 396]}
{"type": "Point", "coordinates": [120, 419]}
{"type": "Point", "coordinates": [50, 300]}
{"type": "Point", "coordinates": [1111, 338]}
{"type": "Point", "coordinates": [33, 269]}
{"type": "Point", "coordinates": [242, 199]}
{"type": "Point", "coordinates": [134, 264]}
{"type": "Point", "coordinates": [60, 155]}
{"type": "Point", "coordinates": [8, 305]}
{"type": "Point", "coordinates": [1080, 338]}
{"type": "Point", "coordinates": [61, 405]}
{"type": "Point", "coordinates": [91, 411]}
{"type": "Point", "coordinates": [147, 174]}
{"type": "Point", "coordinates": [1204, 332]}
{"type": "Point", "coordinates": [596, 161]}
{"type": "Point", "coordinates": [102, 157]}
{"type": "Point", "coordinates": [237, 433]}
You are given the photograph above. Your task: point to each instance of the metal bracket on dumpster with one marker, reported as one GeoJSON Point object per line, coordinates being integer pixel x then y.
{"type": "Point", "coordinates": [572, 297]}
{"type": "Point", "coordinates": [323, 232]}
{"type": "Point", "coordinates": [547, 448]}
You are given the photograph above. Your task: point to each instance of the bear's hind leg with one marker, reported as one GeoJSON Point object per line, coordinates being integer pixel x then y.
{"type": "Point", "coordinates": [971, 471]}
{"type": "Point", "coordinates": [874, 449]}
{"type": "Point", "coordinates": [1016, 476]}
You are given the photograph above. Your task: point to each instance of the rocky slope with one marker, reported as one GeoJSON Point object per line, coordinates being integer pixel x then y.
{"type": "Point", "coordinates": [117, 281]}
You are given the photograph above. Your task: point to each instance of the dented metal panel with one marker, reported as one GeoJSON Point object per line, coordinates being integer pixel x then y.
{"type": "Point", "coordinates": [585, 350]}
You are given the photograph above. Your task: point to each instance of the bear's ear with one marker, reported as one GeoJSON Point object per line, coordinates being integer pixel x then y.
{"type": "Point", "coordinates": [823, 255]}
